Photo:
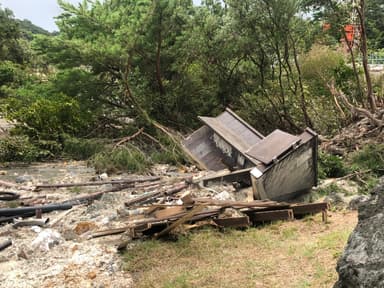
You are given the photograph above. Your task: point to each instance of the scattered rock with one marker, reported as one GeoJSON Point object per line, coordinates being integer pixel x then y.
{"type": "Point", "coordinates": [223, 196]}
{"type": "Point", "coordinates": [46, 240]}
{"type": "Point", "coordinates": [23, 179]}
{"type": "Point", "coordinates": [335, 199]}
{"type": "Point", "coordinates": [356, 201]}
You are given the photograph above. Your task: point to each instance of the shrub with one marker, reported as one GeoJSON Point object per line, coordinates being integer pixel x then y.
{"type": "Point", "coordinates": [19, 148]}
{"type": "Point", "coordinates": [331, 166]}
{"type": "Point", "coordinates": [370, 157]}
{"type": "Point", "coordinates": [82, 149]}
{"type": "Point", "coordinates": [127, 158]}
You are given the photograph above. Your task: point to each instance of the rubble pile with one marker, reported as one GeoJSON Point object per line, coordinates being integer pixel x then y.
{"type": "Point", "coordinates": [70, 231]}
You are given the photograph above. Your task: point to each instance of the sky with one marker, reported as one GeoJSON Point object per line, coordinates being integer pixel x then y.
{"type": "Point", "coordinates": [39, 12]}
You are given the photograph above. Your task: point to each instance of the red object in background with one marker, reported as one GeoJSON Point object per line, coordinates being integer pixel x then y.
{"type": "Point", "coordinates": [349, 30]}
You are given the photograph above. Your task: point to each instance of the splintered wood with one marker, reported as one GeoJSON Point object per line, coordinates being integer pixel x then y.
{"type": "Point", "coordinates": [166, 209]}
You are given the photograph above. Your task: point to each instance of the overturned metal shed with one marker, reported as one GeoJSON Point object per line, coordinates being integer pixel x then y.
{"type": "Point", "coordinates": [280, 165]}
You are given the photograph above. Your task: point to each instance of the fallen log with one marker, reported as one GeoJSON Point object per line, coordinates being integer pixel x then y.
{"type": "Point", "coordinates": [97, 183]}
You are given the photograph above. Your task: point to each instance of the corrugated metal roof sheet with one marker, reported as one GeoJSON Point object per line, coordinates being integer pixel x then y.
{"type": "Point", "coordinates": [234, 130]}
{"type": "Point", "coordinates": [272, 146]}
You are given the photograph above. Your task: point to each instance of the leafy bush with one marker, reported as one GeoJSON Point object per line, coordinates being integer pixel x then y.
{"type": "Point", "coordinates": [370, 157]}
{"type": "Point", "coordinates": [331, 166]}
{"type": "Point", "coordinates": [82, 149]}
{"type": "Point", "coordinates": [127, 158]}
{"type": "Point", "coordinates": [19, 148]}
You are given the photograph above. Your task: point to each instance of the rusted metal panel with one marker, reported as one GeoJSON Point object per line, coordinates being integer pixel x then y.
{"type": "Point", "coordinates": [285, 214]}
{"type": "Point", "coordinates": [273, 146]}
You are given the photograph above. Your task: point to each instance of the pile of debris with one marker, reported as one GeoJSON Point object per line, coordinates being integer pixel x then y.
{"type": "Point", "coordinates": [156, 207]}
{"type": "Point", "coordinates": [79, 244]}
{"type": "Point", "coordinates": [249, 176]}
{"type": "Point", "coordinates": [280, 166]}
{"type": "Point", "coordinates": [353, 138]}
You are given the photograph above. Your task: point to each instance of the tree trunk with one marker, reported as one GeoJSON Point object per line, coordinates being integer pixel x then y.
{"type": "Point", "coordinates": [158, 54]}
{"type": "Point", "coordinates": [364, 52]}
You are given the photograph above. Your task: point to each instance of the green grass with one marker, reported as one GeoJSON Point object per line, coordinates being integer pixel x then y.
{"type": "Point", "coordinates": [305, 252]}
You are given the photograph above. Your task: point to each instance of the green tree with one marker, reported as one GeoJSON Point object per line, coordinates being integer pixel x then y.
{"type": "Point", "coordinates": [10, 48]}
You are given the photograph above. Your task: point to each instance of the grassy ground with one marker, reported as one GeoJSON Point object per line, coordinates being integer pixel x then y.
{"type": "Point", "coordinates": [302, 253]}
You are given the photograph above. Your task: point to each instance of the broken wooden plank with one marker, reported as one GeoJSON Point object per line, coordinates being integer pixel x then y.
{"type": "Point", "coordinates": [109, 232]}
{"type": "Point", "coordinates": [235, 222]}
{"type": "Point", "coordinates": [97, 183]}
{"type": "Point", "coordinates": [35, 222]}
{"type": "Point", "coordinates": [168, 212]}
{"type": "Point", "coordinates": [261, 216]}
{"type": "Point", "coordinates": [309, 208]}
{"type": "Point", "coordinates": [242, 204]}
{"type": "Point", "coordinates": [180, 221]}
{"type": "Point", "coordinates": [187, 199]}
{"type": "Point", "coordinates": [155, 194]}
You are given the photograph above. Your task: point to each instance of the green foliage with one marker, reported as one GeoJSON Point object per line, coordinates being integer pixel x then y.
{"type": "Point", "coordinates": [43, 113]}
{"type": "Point", "coordinates": [128, 158]}
{"type": "Point", "coordinates": [45, 118]}
{"type": "Point", "coordinates": [331, 166]}
{"type": "Point", "coordinates": [82, 149]}
{"type": "Point", "coordinates": [10, 48]}
{"type": "Point", "coordinates": [19, 148]}
{"type": "Point", "coordinates": [368, 183]}
{"type": "Point", "coordinates": [331, 189]}
{"type": "Point", "coordinates": [370, 157]}
{"type": "Point", "coordinates": [320, 66]}
{"type": "Point", "coordinates": [166, 157]}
